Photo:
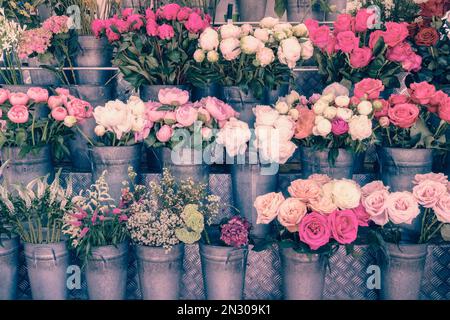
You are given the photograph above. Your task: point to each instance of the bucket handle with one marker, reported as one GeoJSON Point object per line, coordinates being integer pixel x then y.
{"type": "Point", "coordinates": [42, 250]}
{"type": "Point", "coordinates": [101, 258]}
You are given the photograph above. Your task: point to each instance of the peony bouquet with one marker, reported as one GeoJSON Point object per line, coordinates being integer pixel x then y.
{"type": "Point", "coordinates": [121, 124]}
{"type": "Point", "coordinates": [250, 58]}
{"type": "Point", "coordinates": [155, 48]}
{"type": "Point", "coordinates": [409, 120]}
{"type": "Point", "coordinates": [176, 122]}
{"type": "Point", "coordinates": [273, 132]}
{"type": "Point", "coordinates": [430, 195]}
{"type": "Point", "coordinates": [361, 47]}
{"type": "Point", "coordinates": [23, 126]}
{"type": "Point", "coordinates": [320, 213]}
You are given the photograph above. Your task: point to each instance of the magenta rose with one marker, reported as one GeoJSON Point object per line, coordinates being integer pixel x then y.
{"type": "Point", "coordinates": [18, 99]}
{"type": "Point", "coordinates": [331, 46]}
{"type": "Point", "coordinates": [362, 215]}
{"type": "Point", "coordinates": [169, 11]}
{"type": "Point", "coordinates": [166, 32]}
{"type": "Point", "coordinates": [343, 225]}
{"type": "Point", "coordinates": [395, 33]}
{"type": "Point", "coordinates": [314, 230]}
{"type": "Point", "coordinates": [412, 63]}
{"type": "Point", "coordinates": [400, 52]}
{"type": "Point", "coordinates": [339, 126]}
{"type": "Point", "coordinates": [368, 88]}
{"type": "Point", "coordinates": [347, 41]}
{"type": "Point", "coordinates": [320, 36]}
{"type": "Point", "coordinates": [186, 115]}
{"type": "Point", "coordinates": [362, 20]}
{"type": "Point", "coordinates": [311, 25]}
{"type": "Point", "coordinates": [421, 92]}
{"type": "Point", "coordinates": [38, 95]}
{"type": "Point", "coordinates": [164, 134]}
{"type": "Point", "coordinates": [360, 57]}
{"type": "Point", "coordinates": [195, 23]}
{"type": "Point", "coordinates": [4, 96]}
{"type": "Point", "coordinates": [344, 22]}
{"type": "Point", "coordinates": [18, 114]}
{"type": "Point", "coordinates": [373, 38]}
{"type": "Point", "coordinates": [403, 115]}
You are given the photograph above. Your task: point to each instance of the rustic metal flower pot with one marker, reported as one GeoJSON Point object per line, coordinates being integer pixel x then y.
{"type": "Point", "coordinates": [106, 272]}
{"type": "Point", "coordinates": [43, 77]}
{"type": "Point", "coordinates": [402, 271]}
{"type": "Point", "coordinates": [251, 11]}
{"type": "Point", "coordinates": [47, 266]}
{"type": "Point", "coordinates": [212, 90]}
{"type": "Point", "coordinates": [399, 166]}
{"type": "Point", "coordinates": [78, 145]}
{"type": "Point", "coordinates": [272, 96]}
{"type": "Point", "coordinates": [242, 102]}
{"type": "Point", "coordinates": [223, 271]}
{"type": "Point", "coordinates": [299, 10]}
{"type": "Point", "coordinates": [9, 265]}
{"type": "Point", "coordinates": [22, 170]}
{"type": "Point", "coordinates": [313, 161]}
{"type": "Point", "coordinates": [150, 92]}
{"type": "Point", "coordinates": [186, 163]}
{"type": "Point", "coordinates": [94, 52]}
{"type": "Point", "coordinates": [303, 275]}
{"type": "Point", "coordinates": [160, 271]}
{"type": "Point", "coordinates": [115, 160]}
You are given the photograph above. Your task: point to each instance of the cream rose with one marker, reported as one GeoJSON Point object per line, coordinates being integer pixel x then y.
{"type": "Point", "coordinates": [289, 52]}
{"type": "Point", "coordinates": [323, 205]}
{"type": "Point", "coordinates": [402, 207]}
{"type": "Point", "coordinates": [346, 194]}
{"type": "Point", "coordinates": [290, 213]}
{"type": "Point", "coordinates": [300, 30]}
{"type": "Point", "coordinates": [375, 205]}
{"type": "Point", "coordinates": [267, 207]}
{"type": "Point", "coordinates": [305, 190]}
{"type": "Point", "coordinates": [307, 50]}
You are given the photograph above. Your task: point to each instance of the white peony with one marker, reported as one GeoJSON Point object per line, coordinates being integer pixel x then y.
{"type": "Point", "coordinates": [230, 48]}
{"type": "Point", "coordinates": [360, 127]}
{"type": "Point", "coordinates": [99, 131]}
{"type": "Point", "coordinates": [268, 22]}
{"type": "Point", "coordinates": [286, 127]}
{"type": "Point", "coordinates": [323, 128]}
{"type": "Point", "coordinates": [300, 30]}
{"type": "Point", "coordinates": [230, 31]}
{"type": "Point", "coordinates": [234, 136]}
{"type": "Point", "coordinates": [246, 29]}
{"type": "Point", "coordinates": [250, 45]}
{"type": "Point", "coordinates": [115, 116]}
{"type": "Point", "coordinates": [262, 34]}
{"type": "Point", "coordinates": [265, 56]}
{"type": "Point", "coordinates": [342, 101]}
{"type": "Point", "coordinates": [289, 52]}
{"type": "Point", "coordinates": [319, 107]}
{"type": "Point", "coordinates": [137, 106]}
{"type": "Point", "coordinates": [344, 113]}
{"type": "Point", "coordinates": [209, 39]}
{"type": "Point", "coordinates": [364, 108]}
{"type": "Point", "coordinates": [286, 28]}
{"type": "Point", "coordinates": [265, 115]}
{"type": "Point", "coordinates": [346, 194]}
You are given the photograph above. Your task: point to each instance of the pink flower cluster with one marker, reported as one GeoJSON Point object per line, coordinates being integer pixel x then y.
{"type": "Point", "coordinates": [56, 24]}
{"type": "Point", "coordinates": [235, 232]}
{"type": "Point", "coordinates": [348, 32]}
{"type": "Point", "coordinates": [163, 23]}
{"type": "Point", "coordinates": [20, 103]}
{"type": "Point", "coordinates": [64, 104]}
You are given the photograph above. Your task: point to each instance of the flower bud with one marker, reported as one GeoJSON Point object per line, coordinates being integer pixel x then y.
{"type": "Point", "coordinates": [282, 107]}
{"type": "Point", "coordinates": [212, 56]}
{"type": "Point", "coordinates": [199, 55]}
{"type": "Point", "coordinates": [70, 121]}
{"type": "Point", "coordinates": [384, 122]}
{"type": "Point", "coordinates": [100, 131]}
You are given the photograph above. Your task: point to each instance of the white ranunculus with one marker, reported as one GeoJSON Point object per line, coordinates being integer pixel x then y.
{"type": "Point", "coordinates": [199, 55]}
{"type": "Point", "coordinates": [265, 56]}
{"type": "Point", "coordinates": [307, 50]}
{"type": "Point", "coordinates": [342, 101]}
{"type": "Point", "coordinates": [300, 30]}
{"type": "Point", "coordinates": [230, 48]}
{"type": "Point", "coordinates": [262, 34]}
{"type": "Point", "coordinates": [289, 52]}
{"type": "Point", "coordinates": [230, 31]}
{"type": "Point", "coordinates": [250, 45]}
{"type": "Point", "coordinates": [365, 108]}
{"type": "Point", "coordinates": [70, 121]}
{"type": "Point", "coordinates": [136, 105]}
{"type": "Point", "coordinates": [265, 115]}
{"type": "Point", "coordinates": [268, 22]}
{"type": "Point", "coordinates": [360, 127]}
{"type": "Point", "coordinates": [346, 194]}
{"type": "Point", "coordinates": [246, 29]}
{"type": "Point", "coordinates": [319, 107]}
{"type": "Point", "coordinates": [323, 128]}
{"type": "Point", "coordinates": [212, 56]}
{"type": "Point", "coordinates": [344, 113]}
{"type": "Point", "coordinates": [209, 40]}
{"type": "Point", "coordinates": [234, 136]}
{"type": "Point", "coordinates": [282, 107]}
{"type": "Point", "coordinates": [330, 113]}
{"type": "Point", "coordinates": [337, 89]}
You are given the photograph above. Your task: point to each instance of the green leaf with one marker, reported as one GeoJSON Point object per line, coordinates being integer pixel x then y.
{"type": "Point", "coordinates": [280, 7]}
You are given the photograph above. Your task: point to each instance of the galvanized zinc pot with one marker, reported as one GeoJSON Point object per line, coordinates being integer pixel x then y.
{"type": "Point", "coordinates": [43, 77]}
{"type": "Point", "coordinates": [94, 52]}
{"type": "Point", "coordinates": [251, 11]}
{"type": "Point", "coordinates": [313, 161]}
{"type": "Point", "coordinates": [9, 265]}
{"type": "Point", "coordinates": [212, 90]}
{"type": "Point", "coordinates": [78, 145]}
{"type": "Point", "coordinates": [47, 266]}
{"type": "Point", "coordinates": [115, 160]}
{"type": "Point", "coordinates": [241, 102]}
{"type": "Point", "coordinates": [272, 96]}
{"type": "Point", "coordinates": [399, 166]}
{"type": "Point", "coordinates": [22, 170]}
{"type": "Point", "coordinates": [106, 272]}
{"type": "Point", "coordinates": [223, 271]}
{"type": "Point", "coordinates": [150, 92]}
{"type": "Point", "coordinates": [96, 95]}
{"type": "Point", "coordinates": [299, 10]}
{"type": "Point", "coordinates": [160, 271]}
{"type": "Point", "coordinates": [303, 275]}
{"type": "Point", "coordinates": [402, 272]}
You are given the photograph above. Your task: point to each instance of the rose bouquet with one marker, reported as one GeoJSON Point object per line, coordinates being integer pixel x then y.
{"type": "Point", "coordinates": [252, 58]}
{"type": "Point", "coordinates": [319, 215]}
{"type": "Point", "coordinates": [156, 48]}
{"type": "Point", "coordinates": [359, 48]}
{"type": "Point", "coordinates": [178, 123]}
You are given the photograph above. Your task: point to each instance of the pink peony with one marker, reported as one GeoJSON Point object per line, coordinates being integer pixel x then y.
{"type": "Point", "coordinates": [97, 27]}
{"type": "Point", "coordinates": [59, 113]}
{"type": "Point", "coordinates": [4, 96]}
{"type": "Point", "coordinates": [55, 101]}
{"type": "Point", "coordinates": [195, 24]}
{"type": "Point", "coordinates": [62, 91]}
{"type": "Point", "coordinates": [150, 14]}
{"type": "Point", "coordinates": [80, 109]}
{"type": "Point", "coordinates": [360, 57]}
{"type": "Point", "coordinates": [395, 33]}
{"type": "Point", "coordinates": [184, 14]}
{"type": "Point", "coordinates": [218, 109]}
{"type": "Point", "coordinates": [136, 21]}
{"type": "Point", "coordinates": [166, 32]}
{"type": "Point", "coordinates": [314, 230]}
{"type": "Point", "coordinates": [18, 114]}
{"type": "Point", "coordinates": [339, 126]}
{"type": "Point", "coordinates": [169, 11]}
{"type": "Point", "coordinates": [368, 88]}
{"type": "Point", "coordinates": [152, 28]}
{"type": "Point", "coordinates": [173, 96]}
{"type": "Point", "coordinates": [186, 115]}
{"type": "Point", "coordinates": [38, 95]}
{"type": "Point", "coordinates": [18, 99]}
{"type": "Point", "coordinates": [344, 226]}
{"type": "Point", "coordinates": [164, 134]}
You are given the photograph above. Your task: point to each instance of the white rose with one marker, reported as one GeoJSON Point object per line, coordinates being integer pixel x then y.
{"type": "Point", "coordinates": [300, 30]}
{"type": "Point", "coordinates": [209, 40]}
{"type": "Point", "coordinates": [230, 48]}
{"type": "Point", "coordinates": [342, 101]}
{"type": "Point", "coordinates": [360, 127]}
{"type": "Point", "coordinates": [282, 107]}
{"type": "Point", "coordinates": [330, 113]}
{"type": "Point", "coordinates": [262, 34]}
{"type": "Point", "coordinates": [265, 56]}
{"type": "Point", "coordinates": [268, 22]}
{"type": "Point", "coordinates": [319, 107]}
{"type": "Point", "coordinates": [137, 106]}
{"type": "Point", "coordinates": [70, 121]}
{"type": "Point", "coordinates": [246, 29]}
{"type": "Point", "coordinates": [284, 27]}
{"type": "Point", "coordinates": [230, 31]}
{"type": "Point", "coordinates": [344, 113]}
{"type": "Point", "coordinates": [199, 55]}
{"type": "Point", "coordinates": [212, 56]}
{"type": "Point", "coordinates": [250, 45]}
{"type": "Point", "coordinates": [323, 128]}
{"type": "Point", "coordinates": [346, 194]}
{"type": "Point", "coordinates": [292, 97]}
{"type": "Point", "coordinates": [234, 136]}
{"type": "Point", "coordinates": [336, 89]}
{"type": "Point", "coordinates": [328, 98]}
{"type": "Point", "coordinates": [364, 108]}
{"type": "Point", "coordinates": [286, 127]}
{"type": "Point", "coordinates": [307, 50]}
{"type": "Point", "coordinates": [265, 115]}
{"type": "Point", "coordinates": [289, 52]}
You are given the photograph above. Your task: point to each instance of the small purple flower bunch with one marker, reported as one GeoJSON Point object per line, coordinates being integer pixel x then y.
{"type": "Point", "coordinates": [235, 232]}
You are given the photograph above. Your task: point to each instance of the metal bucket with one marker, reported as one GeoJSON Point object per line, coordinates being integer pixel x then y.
{"type": "Point", "coordinates": [313, 161]}
{"type": "Point", "coordinates": [212, 90]}
{"type": "Point", "coordinates": [154, 159]}
{"type": "Point", "coordinates": [303, 275]}
{"type": "Point", "coordinates": [341, 6]}
{"type": "Point", "coordinates": [150, 92]}
{"type": "Point", "coordinates": [94, 52]}
{"type": "Point", "coordinates": [106, 272]}
{"type": "Point", "coordinates": [95, 95]}
{"type": "Point", "coordinates": [250, 10]}
{"type": "Point", "coordinates": [43, 77]}
{"type": "Point", "coordinates": [223, 271]}
{"type": "Point", "coordinates": [9, 265]}
{"type": "Point", "coordinates": [399, 166]}
{"type": "Point", "coordinates": [242, 103]}
{"type": "Point", "coordinates": [401, 274]}
{"type": "Point", "coordinates": [186, 163]}
{"type": "Point", "coordinates": [78, 146]}
{"type": "Point", "coordinates": [298, 11]}
{"type": "Point", "coordinates": [23, 170]}
{"type": "Point", "coordinates": [160, 271]}
{"type": "Point", "coordinates": [115, 160]}
{"type": "Point", "coordinates": [248, 182]}
{"type": "Point", "coordinates": [47, 270]}
{"type": "Point", "coordinates": [272, 96]}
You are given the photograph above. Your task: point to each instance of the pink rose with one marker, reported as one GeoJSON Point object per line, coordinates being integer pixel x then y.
{"type": "Point", "coordinates": [267, 207]}
{"type": "Point", "coordinates": [321, 179]}
{"type": "Point", "coordinates": [166, 32]}
{"type": "Point", "coordinates": [305, 190]}
{"type": "Point", "coordinates": [59, 113]}
{"type": "Point", "coordinates": [438, 99]}
{"type": "Point", "coordinates": [311, 25]}
{"type": "Point", "coordinates": [80, 109]}
{"type": "Point", "coordinates": [362, 216]}
{"type": "Point", "coordinates": [344, 226]}
{"type": "Point", "coordinates": [395, 33]}
{"type": "Point", "coordinates": [373, 186]}
{"type": "Point", "coordinates": [421, 92]}
{"type": "Point", "coordinates": [344, 22]}
{"type": "Point", "coordinates": [38, 95]}
{"type": "Point", "coordinates": [428, 192]}
{"type": "Point", "coordinates": [404, 115]}
{"type": "Point", "coordinates": [97, 27]}
{"type": "Point", "coordinates": [183, 14]}
{"type": "Point", "coordinates": [169, 11]}
{"type": "Point", "coordinates": [324, 205]}
{"type": "Point", "coordinates": [152, 28]}
{"type": "Point", "coordinates": [412, 63]}
{"type": "Point", "coordinates": [218, 109]}
{"type": "Point", "coordinates": [442, 208]}
{"type": "Point", "coordinates": [164, 134]}
{"type": "Point", "coordinates": [173, 96]}
{"type": "Point", "coordinates": [375, 205]}
{"type": "Point", "coordinates": [347, 41]}
{"type": "Point", "coordinates": [368, 88]}
{"type": "Point", "coordinates": [320, 36]}
{"type": "Point", "coordinates": [195, 23]}
{"type": "Point", "coordinates": [437, 177]}
{"type": "Point", "coordinates": [384, 109]}
{"type": "Point", "coordinates": [331, 46]}
{"type": "Point", "coordinates": [444, 110]}
{"type": "Point", "coordinates": [402, 207]}
{"type": "Point", "coordinates": [400, 52]}
{"type": "Point", "coordinates": [18, 114]}
{"type": "Point", "coordinates": [55, 101]}
{"type": "Point", "coordinates": [18, 99]}
{"type": "Point", "coordinates": [314, 230]}
{"type": "Point", "coordinates": [362, 20]}
{"type": "Point", "coordinates": [398, 99]}
{"type": "Point", "coordinates": [290, 213]}
{"type": "Point", "coordinates": [339, 126]}
{"type": "Point", "coordinates": [360, 57]}
{"type": "Point", "coordinates": [4, 96]}
{"type": "Point", "coordinates": [186, 115]}
{"type": "Point", "coordinates": [373, 38]}
{"type": "Point", "coordinates": [136, 21]}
